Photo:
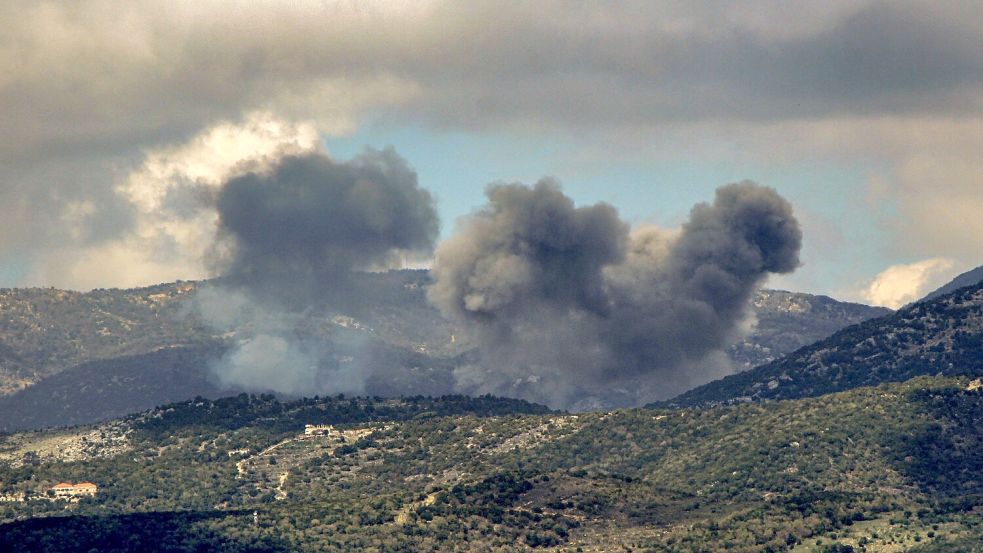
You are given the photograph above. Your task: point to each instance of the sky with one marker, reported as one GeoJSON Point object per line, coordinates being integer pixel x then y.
{"type": "Point", "coordinates": [118, 122]}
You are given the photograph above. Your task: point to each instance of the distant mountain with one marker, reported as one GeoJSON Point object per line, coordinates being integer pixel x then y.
{"type": "Point", "coordinates": [44, 331]}
{"type": "Point", "coordinates": [969, 278]}
{"type": "Point", "coordinates": [101, 390]}
{"type": "Point", "coordinates": [787, 321]}
{"type": "Point", "coordinates": [939, 336]}
{"type": "Point", "coordinates": [72, 358]}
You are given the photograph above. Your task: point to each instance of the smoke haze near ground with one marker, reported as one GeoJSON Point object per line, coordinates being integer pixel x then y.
{"type": "Point", "coordinates": [570, 307]}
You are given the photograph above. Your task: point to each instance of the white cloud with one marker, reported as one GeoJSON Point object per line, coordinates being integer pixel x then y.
{"type": "Point", "coordinates": [902, 284]}
{"type": "Point", "coordinates": [174, 222]}
{"type": "Point", "coordinates": [213, 155]}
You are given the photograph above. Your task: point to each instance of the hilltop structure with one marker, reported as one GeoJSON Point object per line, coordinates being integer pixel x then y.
{"type": "Point", "coordinates": [67, 490]}
{"type": "Point", "coordinates": [312, 430]}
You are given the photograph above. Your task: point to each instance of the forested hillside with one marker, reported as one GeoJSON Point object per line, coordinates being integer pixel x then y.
{"type": "Point", "coordinates": [939, 336]}
{"type": "Point", "coordinates": [890, 468]}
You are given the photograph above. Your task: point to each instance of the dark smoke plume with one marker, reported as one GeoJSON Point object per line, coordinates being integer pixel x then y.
{"type": "Point", "coordinates": [292, 241]}
{"type": "Point", "coordinates": [312, 214]}
{"type": "Point", "coordinates": [567, 305]}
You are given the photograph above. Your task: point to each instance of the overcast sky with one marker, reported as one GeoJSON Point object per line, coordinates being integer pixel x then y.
{"type": "Point", "coordinates": [119, 119]}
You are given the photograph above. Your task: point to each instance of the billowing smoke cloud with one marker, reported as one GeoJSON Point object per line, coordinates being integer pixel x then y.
{"type": "Point", "coordinates": [312, 214]}
{"type": "Point", "coordinates": [570, 307]}
{"type": "Point", "coordinates": [291, 238]}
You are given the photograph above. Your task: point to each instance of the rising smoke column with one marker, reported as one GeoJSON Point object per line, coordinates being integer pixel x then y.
{"type": "Point", "coordinates": [525, 276]}
{"type": "Point", "coordinates": [293, 235]}
{"type": "Point", "coordinates": [567, 305]}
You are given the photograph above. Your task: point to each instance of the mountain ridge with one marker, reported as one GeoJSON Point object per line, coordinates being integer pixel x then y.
{"type": "Point", "coordinates": [969, 278]}
{"type": "Point", "coordinates": [938, 336]}
{"type": "Point", "coordinates": [93, 356]}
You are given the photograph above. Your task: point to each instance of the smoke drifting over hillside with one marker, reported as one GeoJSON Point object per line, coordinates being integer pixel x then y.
{"type": "Point", "coordinates": [568, 305]}
{"type": "Point", "coordinates": [290, 239]}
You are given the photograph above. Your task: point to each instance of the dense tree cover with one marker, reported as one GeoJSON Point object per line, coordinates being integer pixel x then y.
{"type": "Point", "coordinates": [265, 411]}
{"type": "Point", "coordinates": [896, 466]}
{"type": "Point", "coordinates": [180, 532]}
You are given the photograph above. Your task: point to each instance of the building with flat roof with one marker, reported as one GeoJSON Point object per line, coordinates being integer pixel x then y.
{"type": "Point", "coordinates": [68, 490]}
{"type": "Point", "coordinates": [317, 430]}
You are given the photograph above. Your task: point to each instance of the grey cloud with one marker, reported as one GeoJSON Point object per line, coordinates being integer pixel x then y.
{"type": "Point", "coordinates": [568, 308]}
{"type": "Point", "coordinates": [36, 204]}
{"type": "Point", "coordinates": [76, 87]}
{"type": "Point", "coordinates": [884, 58]}
{"type": "Point", "coordinates": [478, 63]}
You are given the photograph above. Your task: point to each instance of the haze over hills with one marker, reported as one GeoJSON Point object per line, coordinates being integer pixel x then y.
{"type": "Point", "coordinates": [84, 357]}
{"type": "Point", "coordinates": [44, 330]}
{"type": "Point", "coordinates": [943, 335]}
{"type": "Point", "coordinates": [601, 194]}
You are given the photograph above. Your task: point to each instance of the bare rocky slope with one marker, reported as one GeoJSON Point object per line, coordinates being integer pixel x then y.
{"type": "Point", "coordinates": [787, 321]}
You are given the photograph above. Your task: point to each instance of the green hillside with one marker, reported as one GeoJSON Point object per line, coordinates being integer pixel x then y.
{"type": "Point", "coordinates": [891, 468]}
{"type": "Point", "coordinates": [940, 336]}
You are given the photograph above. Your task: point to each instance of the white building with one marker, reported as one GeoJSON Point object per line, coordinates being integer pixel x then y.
{"type": "Point", "coordinates": [317, 430]}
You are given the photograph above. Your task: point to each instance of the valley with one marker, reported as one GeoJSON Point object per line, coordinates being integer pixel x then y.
{"type": "Point", "coordinates": [491, 277]}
